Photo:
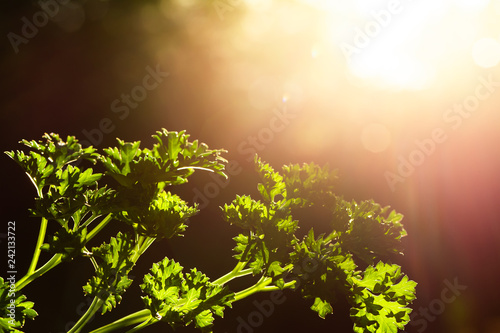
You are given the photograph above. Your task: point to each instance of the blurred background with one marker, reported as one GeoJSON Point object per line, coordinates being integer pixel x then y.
{"type": "Point", "coordinates": [401, 96]}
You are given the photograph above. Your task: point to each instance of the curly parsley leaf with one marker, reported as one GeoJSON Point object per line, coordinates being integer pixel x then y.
{"type": "Point", "coordinates": [272, 185]}
{"type": "Point", "coordinates": [171, 161]}
{"type": "Point", "coordinates": [177, 152]}
{"type": "Point", "coordinates": [180, 298]}
{"type": "Point", "coordinates": [14, 308]}
{"type": "Point", "coordinates": [310, 184]}
{"type": "Point", "coordinates": [48, 156]}
{"type": "Point", "coordinates": [322, 271]}
{"type": "Point", "coordinates": [111, 277]}
{"type": "Point", "coordinates": [165, 216]}
{"type": "Point", "coordinates": [270, 233]}
{"type": "Point", "coordinates": [71, 191]}
{"type": "Point", "coordinates": [380, 299]}
{"type": "Point", "coordinates": [323, 267]}
{"type": "Point", "coordinates": [69, 243]}
{"type": "Point", "coordinates": [371, 231]}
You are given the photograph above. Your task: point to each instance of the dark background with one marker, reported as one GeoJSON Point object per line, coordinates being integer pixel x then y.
{"type": "Point", "coordinates": [65, 78]}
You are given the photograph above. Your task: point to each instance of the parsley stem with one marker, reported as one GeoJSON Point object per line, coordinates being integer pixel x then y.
{"type": "Point", "coordinates": [34, 273]}
{"type": "Point", "coordinates": [259, 286]}
{"type": "Point", "coordinates": [195, 167]}
{"type": "Point", "coordinates": [131, 319]}
{"type": "Point", "coordinates": [39, 243]}
{"type": "Point", "coordinates": [93, 308]}
{"type": "Point", "coordinates": [25, 280]}
{"type": "Point", "coordinates": [89, 220]}
{"type": "Point", "coordinates": [236, 272]}
{"type": "Point", "coordinates": [272, 288]}
{"type": "Point", "coordinates": [142, 244]}
{"type": "Point", "coordinates": [99, 227]}
{"type": "Point", "coordinates": [139, 327]}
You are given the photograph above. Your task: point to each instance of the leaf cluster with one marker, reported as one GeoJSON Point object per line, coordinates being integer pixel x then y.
{"type": "Point", "coordinates": [111, 278]}
{"type": "Point", "coordinates": [170, 162]}
{"type": "Point", "coordinates": [180, 299]}
{"type": "Point", "coordinates": [135, 190]}
{"type": "Point", "coordinates": [131, 190]}
{"type": "Point", "coordinates": [327, 266]}
{"type": "Point", "coordinates": [17, 308]}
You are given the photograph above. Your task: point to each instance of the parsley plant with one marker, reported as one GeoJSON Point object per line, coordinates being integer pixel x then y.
{"type": "Point", "coordinates": [346, 262]}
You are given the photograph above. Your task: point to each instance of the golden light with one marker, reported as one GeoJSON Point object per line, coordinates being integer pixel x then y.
{"type": "Point", "coordinates": [359, 62]}
{"type": "Point", "coordinates": [473, 5]}
{"type": "Point", "coordinates": [375, 138]}
{"type": "Point", "coordinates": [396, 45]}
{"type": "Point", "coordinates": [486, 52]}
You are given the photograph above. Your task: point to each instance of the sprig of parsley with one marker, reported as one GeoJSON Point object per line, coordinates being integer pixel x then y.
{"type": "Point", "coordinates": [135, 190]}
{"type": "Point", "coordinates": [180, 299]}
{"type": "Point", "coordinates": [360, 234]}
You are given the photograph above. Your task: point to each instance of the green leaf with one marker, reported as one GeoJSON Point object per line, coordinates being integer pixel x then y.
{"type": "Point", "coordinates": [171, 160]}
{"type": "Point", "coordinates": [371, 231]}
{"type": "Point", "coordinates": [204, 320]}
{"type": "Point", "coordinates": [48, 156]}
{"type": "Point", "coordinates": [246, 213]}
{"type": "Point", "coordinates": [118, 161]}
{"type": "Point", "coordinates": [381, 298]}
{"type": "Point", "coordinates": [272, 182]}
{"type": "Point", "coordinates": [13, 303]}
{"type": "Point", "coordinates": [69, 243]}
{"type": "Point", "coordinates": [323, 271]}
{"type": "Point", "coordinates": [72, 191]}
{"type": "Point", "coordinates": [321, 307]}
{"type": "Point", "coordinates": [182, 298]}
{"type": "Point", "coordinates": [177, 151]}
{"type": "Point", "coordinates": [165, 216]}
{"type": "Point", "coordinates": [111, 279]}
{"type": "Point", "coordinates": [310, 184]}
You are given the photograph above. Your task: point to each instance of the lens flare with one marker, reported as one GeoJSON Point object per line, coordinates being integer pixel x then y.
{"type": "Point", "coordinates": [404, 45]}
{"type": "Point", "coordinates": [486, 52]}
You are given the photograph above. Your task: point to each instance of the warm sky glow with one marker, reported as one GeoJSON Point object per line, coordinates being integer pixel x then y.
{"type": "Point", "coordinates": [394, 45]}
{"type": "Point", "coordinates": [486, 52]}
{"type": "Point", "coordinates": [375, 138]}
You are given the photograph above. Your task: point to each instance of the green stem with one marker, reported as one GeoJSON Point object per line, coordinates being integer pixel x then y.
{"type": "Point", "coordinates": [98, 228]}
{"type": "Point", "coordinates": [93, 308]}
{"type": "Point", "coordinates": [142, 325]}
{"type": "Point", "coordinates": [89, 220]}
{"type": "Point", "coordinates": [194, 167]}
{"type": "Point", "coordinates": [34, 273]}
{"type": "Point", "coordinates": [39, 243]}
{"type": "Point", "coordinates": [259, 286]}
{"type": "Point", "coordinates": [142, 245]}
{"type": "Point", "coordinates": [236, 272]}
{"type": "Point", "coordinates": [132, 319]}
{"type": "Point", "coordinates": [92, 260]}
{"type": "Point", "coordinates": [25, 280]}
{"type": "Point", "coordinates": [272, 288]}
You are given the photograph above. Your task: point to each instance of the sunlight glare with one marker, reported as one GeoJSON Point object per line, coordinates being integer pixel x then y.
{"type": "Point", "coordinates": [292, 19]}
{"type": "Point", "coordinates": [314, 52]}
{"type": "Point", "coordinates": [486, 52]}
{"type": "Point", "coordinates": [393, 45]}
{"type": "Point", "coordinates": [262, 5]}
{"type": "Point", "coordinates": [375, 138]}
{"type": "Point", "coordinates": [380, 37]}
{"type": "Point", "coordinates": [473, 5]}
{"type": "Point", "coordinates": [329, 5]}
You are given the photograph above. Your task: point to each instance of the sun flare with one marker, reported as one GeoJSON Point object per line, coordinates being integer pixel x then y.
{"type": "Point", "coordinates": [392, 44]}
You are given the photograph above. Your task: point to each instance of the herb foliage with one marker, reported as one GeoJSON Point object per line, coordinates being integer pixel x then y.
{"type": "Point", "coordinates": [349, 261]}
